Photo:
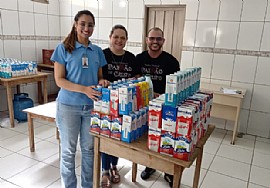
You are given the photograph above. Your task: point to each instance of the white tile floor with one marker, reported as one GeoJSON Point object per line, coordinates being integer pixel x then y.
{"type": "Point", "coordinates": [244, 165]}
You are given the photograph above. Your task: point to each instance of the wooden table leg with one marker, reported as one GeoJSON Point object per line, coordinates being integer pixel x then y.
{"type": "Point", "coordinates": [96, 178]}
{"type": "Point", "coordinates": [18, 89]}
{"type": "Point", "coordinates": [177, 176]}
{"type": "Point", "coordinates": [134, 172]}
{"type": "Point", "coordinates": [45, 93]}
{"type": "Point", "coordinates": [10, 106]}
{"type": "Point", "coordinates": [40, 101]}
{"type": "Point", "coordinates": [235, 128]}
{"type": "Point", "coordinates": [196, 177]}
{"type": "Point", "coordinates": [31, 132]}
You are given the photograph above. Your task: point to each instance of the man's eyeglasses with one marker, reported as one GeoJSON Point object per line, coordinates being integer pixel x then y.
{"type": "Point", "coordinates": [83, 25]}
{"type": "Point", "coordinates": [159, 39]}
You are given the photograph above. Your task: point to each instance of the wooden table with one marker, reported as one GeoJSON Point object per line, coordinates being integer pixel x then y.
{"type": "Point", "coordinates": [16, 81]}
{"type": "Point", "coordinates": [226, 106]}
{"type": "Point", "coordinates": [138, 153]}
{"type": "Point", "coordinates": [40, 68]}
{"type": "Point", "coordinates": [45, 112]}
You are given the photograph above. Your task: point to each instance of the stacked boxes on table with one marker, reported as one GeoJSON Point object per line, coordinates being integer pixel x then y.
{"type": "Point", "coordinates": [12, 68]}
{"type": "Point", "coordinates": [178, 119]}
{"type": "Point", "coordinates": [121, 112]}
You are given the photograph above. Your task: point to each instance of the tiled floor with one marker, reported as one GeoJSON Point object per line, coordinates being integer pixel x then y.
{"type": "Point", "coordinates": [244, 165]}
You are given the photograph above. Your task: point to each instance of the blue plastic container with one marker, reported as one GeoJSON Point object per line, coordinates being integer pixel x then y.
{"type": "Point", "coordinates": [21, 101]}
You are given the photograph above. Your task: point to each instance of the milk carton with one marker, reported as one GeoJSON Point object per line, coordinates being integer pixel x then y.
{"type": "Point", "coordinates": [169, 115]}
{"type": "Point", "coordinates": [134, 132]}
{"type": "Point", "coordinates": [114, 102]}
{"type": "Point", "coordinates": [126, 128]}
{"type": "Point", "coordinates": [95, 122]}
{"type": "Point", "coordinates": [133, 98]}
{"type": "Point", "coordinates": [143, 116]}
{"type": "Point", "coordinates": [138, 124]}
{"type": "Point", "coordinates": [155, 114]}
{"type": "Point", "coordinates": [183, 147]}
{"type": "Point", "coordinates": [105, 125]}
{"type": "Point", "coordinates": [171, 95]}
{"type": "Point", "coordinates": [97, 106]}
{"type": "Point", "coordinates": [124, 100]}
{"type": "Point", "coordinates": [154, 138]}
{"type": "Point", "coordinates": [105, 103]}
{"type": "Point", "coordinates": [184, 124]}
{"type": "Point", "coordinates": [116, 128]}
{"type": "Point", "coordinates": [195, 105]}
{"type": "Point", "coordinates": [138, 96]}
{"type": "Point", "coordinates": [167, 143]}
{"type": "Point", "coordinates": [146, 126]}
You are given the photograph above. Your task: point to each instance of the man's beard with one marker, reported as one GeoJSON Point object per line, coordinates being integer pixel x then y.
{"type": "Point", "coordinates": [155, 49]}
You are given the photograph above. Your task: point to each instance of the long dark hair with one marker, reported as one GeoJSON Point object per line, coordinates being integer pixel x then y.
{"type": "Point", "coordinates": [70, 40]}
{"type": "Point", "coordinates": [118, 26]}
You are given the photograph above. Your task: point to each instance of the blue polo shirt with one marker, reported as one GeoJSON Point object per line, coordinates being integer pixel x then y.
{"type": "Point", "coordinates": [76, 73]}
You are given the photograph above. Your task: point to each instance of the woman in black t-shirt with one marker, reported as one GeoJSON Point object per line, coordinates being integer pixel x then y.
{"type": "Point", "coordinates": [120, 64]}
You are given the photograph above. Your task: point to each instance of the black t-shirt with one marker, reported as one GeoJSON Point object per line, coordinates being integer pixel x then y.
{"type": "Point", "coordinates": [158, 68]}
{"type": "Point", "coordinates": [119, 67]}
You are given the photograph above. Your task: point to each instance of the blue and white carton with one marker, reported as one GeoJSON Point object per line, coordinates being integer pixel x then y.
{"type": "Point", "coordinates": [126, 129]}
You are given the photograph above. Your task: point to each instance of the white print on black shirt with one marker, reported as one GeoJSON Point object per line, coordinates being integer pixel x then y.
{"type": "Point", "coordinates": [155, 72]}
{"type": "Point", "coordinates": [119, 70]}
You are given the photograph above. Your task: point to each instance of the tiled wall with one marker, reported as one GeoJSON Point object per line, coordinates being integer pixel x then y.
{"type": "Point", "coordinates": [229, 39]}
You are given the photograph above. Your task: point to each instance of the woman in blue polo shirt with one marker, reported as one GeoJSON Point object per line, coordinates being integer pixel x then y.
{"type": "Point", "coordinates": [77, 71]}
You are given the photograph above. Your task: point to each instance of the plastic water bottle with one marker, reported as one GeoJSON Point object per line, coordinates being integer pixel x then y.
{"type": "Point", "coordinates": [151, 89]}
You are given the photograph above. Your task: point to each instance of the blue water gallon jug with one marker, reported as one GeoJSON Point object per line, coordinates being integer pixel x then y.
{"type": "Point", "coordinates": [21, 101]}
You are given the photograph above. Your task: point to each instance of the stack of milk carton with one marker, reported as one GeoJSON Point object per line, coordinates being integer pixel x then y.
{"type": "Point", "coordinates": [178, 119]}
{"type": "Point", "coordinates": [121, 113]}
{"type": "Point", "coordinates": [12, 68]}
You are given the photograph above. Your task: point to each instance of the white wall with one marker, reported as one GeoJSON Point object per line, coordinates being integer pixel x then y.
{"type": "Point", "coordinates": [229, 39]}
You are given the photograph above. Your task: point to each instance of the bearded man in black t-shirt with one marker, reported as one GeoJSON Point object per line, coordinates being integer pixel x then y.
{"type": "Point", "coordinates": [158, 64]}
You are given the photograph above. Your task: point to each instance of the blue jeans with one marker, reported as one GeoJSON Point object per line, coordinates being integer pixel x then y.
{"type": "Point", "coordinates": [108, 160]}
{"type": "Point", "coordinates": [73, 121]}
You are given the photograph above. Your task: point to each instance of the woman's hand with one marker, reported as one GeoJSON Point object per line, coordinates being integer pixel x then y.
{"type": "Point", "coordinates": [156, 95]}
{"type": "Point", "coordinates": [103, 83]}
{"type": "Point", "coordinates": [92, 93]}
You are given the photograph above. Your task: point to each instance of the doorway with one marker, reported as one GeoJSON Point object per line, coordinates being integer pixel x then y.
{"type": "Point", "coordinates": [171, 19]}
